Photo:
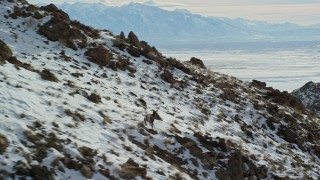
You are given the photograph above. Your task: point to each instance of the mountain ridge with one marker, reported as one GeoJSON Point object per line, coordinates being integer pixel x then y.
{"type": "Point", "coordinates": [73, 101]}
{"type": "Point", "coordinates": [156, 24]}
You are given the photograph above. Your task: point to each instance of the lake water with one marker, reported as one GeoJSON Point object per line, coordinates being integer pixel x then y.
{"type": "Point", "coordinates": [285, 68]}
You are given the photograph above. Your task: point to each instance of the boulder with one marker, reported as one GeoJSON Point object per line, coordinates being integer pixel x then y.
{"type": "Point", "coordinates": [37, 15]}
{"type": "Point", "coordinates": [177, 64]}
{"type": "Point", "coordinates": [147, 61]}
{"type": "Point", "coordinates": [86, 172]}
{"type": "Point", "coordinates": [39, 172]}
{"type": "Point", "coordinates": [59, 30]}
{"type": "Point", "coordinates": [197, 62]}
{"type": "Point", "coordinates": [258, 84]}
{"type": "Point", "coordinates": [21, 168]}
{"type": "Point", "coordinates": [16, 12]}
{"type": "Point", "coordinates": [47, 75]}
{"type": "Point", "coordinates": [133, 39]}
{"type": "Point", "coordinates": [95, 98]}
{"type": "Point", "coordinates": [3, 143]}
{"type": "Point", "coordinates": [133, 51]}
{"type": "Point", "coordinates": [168, 77]}
{"type": "Point", "coordinates": [99, 55]}
{"type": "Point", "coordinates": [131, 169]}
{"type": "Point", "coordinates": [5, 52]}
{"type": "Point", "coordinates": [235, 165]}
{"type": "Point", "coordinates": [309, 94]}
{"type": "Point", "coordinates": [121, 64]}
{"type": "Point", "coordinates": [122, 36]}
{"type": "Point", "coordinates": [148, 51]}
{"type": "Point", "coordinates": [32, 8]}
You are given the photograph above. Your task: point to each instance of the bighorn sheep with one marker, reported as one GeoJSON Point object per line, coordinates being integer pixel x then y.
{"type": "Point", "coordinates": [151, 117]}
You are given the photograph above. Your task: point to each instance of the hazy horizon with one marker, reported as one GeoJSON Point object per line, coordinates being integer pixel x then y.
{"type": "Point", "coordinates": [302, 13]}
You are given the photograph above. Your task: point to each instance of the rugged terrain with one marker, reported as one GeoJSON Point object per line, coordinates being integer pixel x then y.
{"type": "Point", "coordinates": [309, 95]}
{"type": "Point", "coordinates": [73, 101]}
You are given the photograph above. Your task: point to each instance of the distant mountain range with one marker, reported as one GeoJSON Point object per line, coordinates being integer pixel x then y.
{"type": "Point", "coordinates": [158, 26]}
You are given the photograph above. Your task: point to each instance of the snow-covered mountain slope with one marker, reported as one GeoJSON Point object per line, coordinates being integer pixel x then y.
{"type": "Point", "coordinates": [73, 102]}
{"type": "Point", "coordinates": [170, 27]}
{"type": "Point", "coordinates": [309, 95]}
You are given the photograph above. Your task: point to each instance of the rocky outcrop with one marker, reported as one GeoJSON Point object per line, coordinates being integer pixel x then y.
{"type": "Point", "coordinates": [57, 29]}
{"type": "Point", "coordinates": [133, 51]}
{"type": "Point", "coordinates": [258, 84]}
{"type": "Point", "coordinates": [60, 28]}
{"type": "Point", "coordinates": [284, 98]}
{"type": "Point", "coordinates": [149, 52]}
{"type": "Point", "coordinates": [197, 62]}
{"type": "Point", "coordinates": [179, 65]}
{"type": "Point", "coordinates": [168, 77]}
{"type": "Point", "coordinates": [99, 55]}
{"type": "Point", "coordinates": [131, 169]}
{"type": "Point", "coordinates": [135, 47]}
{"type": "Point", "coordinates": [133, 39]}
{"type": "Point", "coordinates": [5, 52]}
{"type": "Point", "coordinates": [47, 75]}
{"type": "Point", "coordinates": [309, 94]}
{"type": "Point", "coordinates": [95, 98]}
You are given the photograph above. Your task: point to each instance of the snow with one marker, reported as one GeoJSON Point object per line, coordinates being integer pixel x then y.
{"type": "Point", "coordinates": [26, 99]}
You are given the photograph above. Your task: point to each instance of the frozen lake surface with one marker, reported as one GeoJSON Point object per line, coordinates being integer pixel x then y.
{"type": "Point", "coordinates": [285, 69]}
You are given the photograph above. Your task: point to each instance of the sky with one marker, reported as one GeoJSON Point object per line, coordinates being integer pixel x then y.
{"type": "Point", "coordinates": [303, 12]}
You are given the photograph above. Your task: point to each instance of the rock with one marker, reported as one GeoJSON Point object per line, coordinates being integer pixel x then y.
{"type": "Point", "coordinates": [3, 144]}
{"type": "Point", "coordinates": [59, 29]}
{"type": "Point", "coordinates": [147, 61]}
{"type": "Point", "coordinates": [222, 144]}
{"type": "Point", "coordinates": [132, 163]}
{"type": "Point", "coordinates": [131, 169]}
{"type": "Point", "coordinates": [47, 75]}
{"type": "Point", "coordinates": [286, 99]}
{"type": "Point", "coordinates": [148, 51]}
{"type": "Point", "coordinates": [32, 8]}
{"type": "Point", "coordinates": [99, 55]}
{"type": "Point", "coordinates": [40, 173]}
{"type": "Point", "coordinates": [94, 98]}
{"type": "Point", "coordinates": [309, 94]}
{"type": "Point", "coordinates": [121, 64]}
{"type": "Point", "coordinates": [86, 172]}
{"type": "Point", "coordinates": [177, 64]}
{"type": "Point", "coordinates": [197, 62]}
{"type": "Point", "coordinates": [223, 174]}
{"type": "Point", "coordinates": [21, 169]}
{"type": "Point", "coordinates": [37, 15]}
{"type": "Point", "coordinates": [290, 136]}
{"type": "Point", "coordinates": [133, 51]}
{"type": "Point", "coordinates": [258, 84]}
{"type": "Point", "coordinates": [122, 36]}
{"type": "Point", "coordinates": [162, 62]}
{"type": "Point", "coordinates": [133, 39]}
{"type": "Point", "coordinates": [93, 33]}
{"type": "Point", "coordinates": [168, 77]}
{"type": "Point", "coordinates": [86, 151]}
{"type": "Point", "coordinates": [52, 8]}
{"type": "Point", "coordinates": [269, 122]}
{"type": "Point", "coordinates": [235, 164]}
{"type": "Point", "coordinates": [5, 52]}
